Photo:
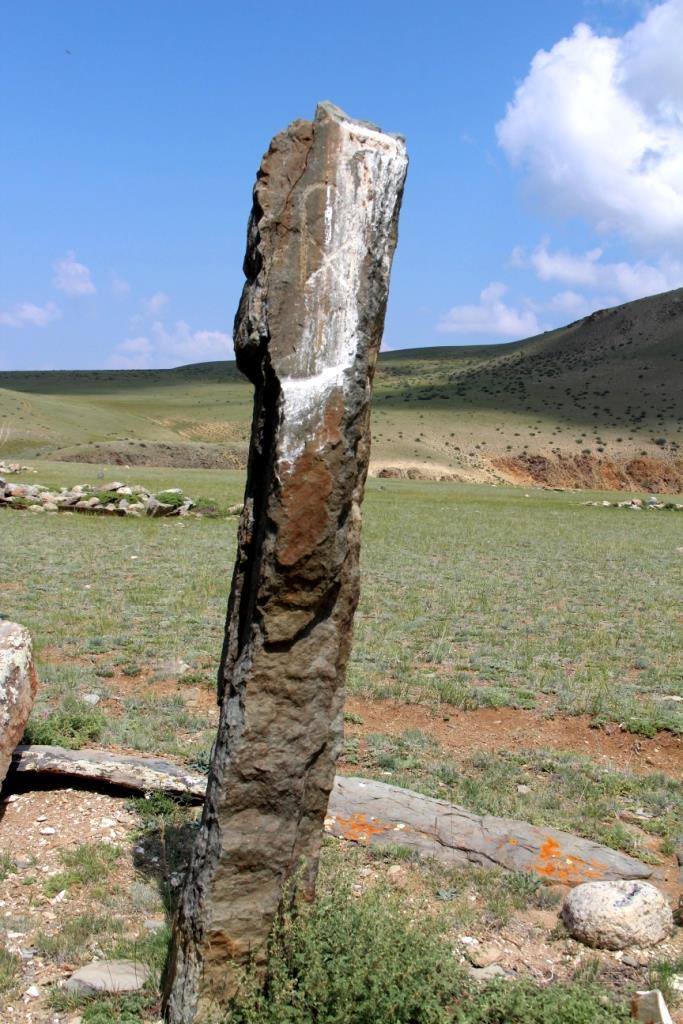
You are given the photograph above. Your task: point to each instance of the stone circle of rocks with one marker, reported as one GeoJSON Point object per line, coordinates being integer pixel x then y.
{"type": "Point", "coordinates": [113, 499]}
{"type": "Point", "coordinates": [614, 915]}
{"type": "Point", "coordinates": [651, 504]}
{"type": "Point", "coordinates": [9, 468]}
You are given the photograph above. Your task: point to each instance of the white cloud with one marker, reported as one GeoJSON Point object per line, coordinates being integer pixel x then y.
{"type": "Point", "coordinates": [598, 123]}
{"type": "Point", "coordinates": [71, 277]}
{"type": "Point", "coordinates": [119, 286]}
{"type": "Point", "coordinates": [627, 280]}
{"type": "Point", "coordinates": [155, 302]}
{"type": "Point", "coordinates": [27, 314]}
{"type": "Point", "coordinates": [185, 343]}
{"type": "Point", "coordinates": [162, 346]}
{"type": "Point", "coordinates": [570, 303]}
{"type": "Point", "coordinates": [491, 316]}
{"type": "Point", "coordinates": [132, 354]}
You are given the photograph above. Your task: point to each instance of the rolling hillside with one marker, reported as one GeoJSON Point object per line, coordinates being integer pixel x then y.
{"type": "Point", "coordinates": [596, 403]}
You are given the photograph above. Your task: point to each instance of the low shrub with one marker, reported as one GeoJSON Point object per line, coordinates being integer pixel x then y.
{"type": "Point", "coordinates": [73, 724]}
{"type": "Point", "coordinates": [369, 959]}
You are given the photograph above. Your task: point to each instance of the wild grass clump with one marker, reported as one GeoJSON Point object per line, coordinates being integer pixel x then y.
{"type": "Point", "coordinates": [89, 862]}
{"type": "Point", "coordinates": [9, 965]}
{"type": "Point", "coordinates": [73, 724]}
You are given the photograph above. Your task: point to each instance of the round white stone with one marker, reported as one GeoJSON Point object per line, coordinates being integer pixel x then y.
{"type": "Point", "coordinates": [614, 915]}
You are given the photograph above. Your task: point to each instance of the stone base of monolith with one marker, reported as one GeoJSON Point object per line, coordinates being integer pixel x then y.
{"type": "Point", "coordinates": [307, 334]}
{"type": "Point", "coordinates": [18, 685]}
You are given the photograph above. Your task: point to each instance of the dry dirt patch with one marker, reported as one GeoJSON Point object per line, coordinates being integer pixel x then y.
{"type": "Point", "coordinates": [463, 733]}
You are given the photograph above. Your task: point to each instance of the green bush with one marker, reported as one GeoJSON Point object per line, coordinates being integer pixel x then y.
{"type": "Point", "coordinates": [368, 959]}
{"type": "Point", "coordinates": [73, 724]}
{"type": "Point", "coordinates": [504, 1002]}
{"type": "Point", "coordinates": [170, 498]}
{"type": "Point", "coordinates": [353, 960]}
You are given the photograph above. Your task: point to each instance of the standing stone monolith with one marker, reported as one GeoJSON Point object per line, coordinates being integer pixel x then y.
{"type": "Point", "coordinates": [320, 244]}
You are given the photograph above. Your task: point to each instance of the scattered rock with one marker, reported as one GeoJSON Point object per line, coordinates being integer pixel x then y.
{"type": "Point", "coordinates": [108, 976]}
{"type": "Point", "coordinates": [483, 955]}
{"type": "Point", "coordinates": [397, 875]}
{"type": "Point", "coordinates": [650, 1008]}
{"type": "Point", "coordinates": [154, 924]}
{"type": "Point", "coordinates": [174, 667]}
{"type": "Point", "coordinates": [490, 972]}
{"type": "Point", "coordinates": [614, 915]}
{"type": "Point", "coordinates": [91, 698]}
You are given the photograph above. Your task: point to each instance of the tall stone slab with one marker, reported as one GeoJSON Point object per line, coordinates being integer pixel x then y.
{"type": "Point", "coordinates": [18, 684]}
{"type": "Point", "coordinates": [320, 244]}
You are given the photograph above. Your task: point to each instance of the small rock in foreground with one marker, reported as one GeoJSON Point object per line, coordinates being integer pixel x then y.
{"type": "Point", "coordinates": [490, 972]}
{"type": "Point", "coordinates": [650, 1008]}
{"type": "Point", "coordinates": [109, 976]}
{"type": "Point", "coordinates": [614, 915]}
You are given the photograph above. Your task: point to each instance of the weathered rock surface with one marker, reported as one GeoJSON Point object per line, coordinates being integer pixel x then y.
{"type": "Point", "coordinates": [142, 774]}
{"type": "Point", "coordinates": [650, 1008]}
{"type": "Point", "coordinates": [614, 915]}
{"type": "Point", "coordinates": [376, 814]}
{"type": "Point", "coordinates": [108, 976]}
{"type": "Point", "coordinates": [18, 686]}
{"type": "Point", "coordinates": [307, 333]}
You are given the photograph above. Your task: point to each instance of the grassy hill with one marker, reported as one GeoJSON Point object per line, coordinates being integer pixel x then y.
{"type": "Point", "coordinates": [597, 403]}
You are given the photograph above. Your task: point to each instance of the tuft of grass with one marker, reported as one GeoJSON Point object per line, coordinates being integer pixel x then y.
{"type": "Point", "coordinates": [500, 893]}
{"type": "Point", "coordinates": [503, 1002]}
{"type": "Point", "coordinates": [661, 974]}
{"type": "Point", "coordinates": [9, 965]}
{"type": "Point", "coordinates": [135, 1008]}
{"type": "Point", "coordinates": [89, 862]}
{"type": "Point", "coordinates": [73, 724]}
{"type": "Point", "coordinates": [75, 936]}
{"type": "Point", "coordinates": [170, 498]}
{"type": "Point", "coordinates": [7, 865]}
{"type": "Point", "coordinates": [353, 960]}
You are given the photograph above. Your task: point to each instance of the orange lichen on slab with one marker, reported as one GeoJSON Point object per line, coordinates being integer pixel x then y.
{"type": "Point", "coordinates": [552, 863]}
{"type": "Point", "coordinates": [358, 828]}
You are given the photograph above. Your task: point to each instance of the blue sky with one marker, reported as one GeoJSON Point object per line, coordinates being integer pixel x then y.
{"type": "Point", "coordinates": [546, 174]}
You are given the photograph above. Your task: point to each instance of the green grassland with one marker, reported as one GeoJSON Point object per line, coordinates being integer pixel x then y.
{"type": "Point", "coordinates": [472, 596]}
{"type": "Point", "coordinates": [608, 387]}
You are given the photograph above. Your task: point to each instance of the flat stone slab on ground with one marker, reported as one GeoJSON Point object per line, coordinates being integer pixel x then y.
{"type": "Point", "coordinates": [376, 814]}
{"type": "Point", "coordinates": [109, 976]}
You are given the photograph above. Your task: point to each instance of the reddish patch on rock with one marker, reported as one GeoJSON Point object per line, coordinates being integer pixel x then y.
{"type": "Point", "coordinates": [554, 864]}
{"type": "Point", "coordinates": [359, 828]}
{"type": "Point", "coordinates": [306, 489]}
